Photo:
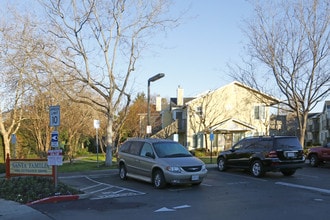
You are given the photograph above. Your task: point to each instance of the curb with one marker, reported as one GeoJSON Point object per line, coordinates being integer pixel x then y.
{"type": "Point", "coordinates": [55, 199]}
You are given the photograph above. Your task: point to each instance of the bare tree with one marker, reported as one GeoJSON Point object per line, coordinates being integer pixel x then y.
{"type": "Point", "coordinates": [98, 44]}
{"type": "Point", "coordinates": [206, 112]}
{"type": "Point", "coordinates": [291, 38]}
{"type": "Point", "coordinates": [18, 49]}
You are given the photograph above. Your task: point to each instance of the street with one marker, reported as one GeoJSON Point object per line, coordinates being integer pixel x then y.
{"type": "Point", "coordinates": [233, 194]}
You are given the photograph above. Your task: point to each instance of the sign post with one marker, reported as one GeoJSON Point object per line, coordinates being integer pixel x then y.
{"type": "Point", "coordinates": [14, 141]}
{"type": "Point", "coordinates": [97, 126]}
{"type": "Point", "coordinates": [55, 157]}
{"type": "Point", "coordinates": [211, 139]}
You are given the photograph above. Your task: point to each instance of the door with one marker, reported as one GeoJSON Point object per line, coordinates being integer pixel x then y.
{"type": "Point", "coordinates": [147, 160]}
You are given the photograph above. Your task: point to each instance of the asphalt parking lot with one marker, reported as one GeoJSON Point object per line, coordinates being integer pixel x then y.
{"type": "Point", "coordinates": [94, 189]}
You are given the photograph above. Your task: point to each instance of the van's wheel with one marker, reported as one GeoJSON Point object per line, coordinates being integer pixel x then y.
{"type": "Point", "coordinates": [257, 169]}
{"type": "Point", "coordinates": [122, 172]}
{"type": "Point", "coordinates": [158, 180]}
{"type": "Point", "coordinates": [314, 161]}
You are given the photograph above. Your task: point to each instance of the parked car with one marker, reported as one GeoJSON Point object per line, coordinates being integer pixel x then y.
{"type": "Point", "coordinates": [263, 154]}
{"type": "Point", "coordinates": [159, 161]}
{"type": "Point", "coordinates": [318, 155]}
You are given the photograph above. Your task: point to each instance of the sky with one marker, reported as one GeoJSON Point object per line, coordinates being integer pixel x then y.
{"type": "Point", "coordinates": [194, 56]}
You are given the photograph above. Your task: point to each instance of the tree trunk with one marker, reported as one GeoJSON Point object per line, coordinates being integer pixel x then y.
{"type": "Point", "coordinates": [6, 142]}
{"type": "Point", "coordinates": [303, 129]}
{"type": "Point", "coordinates": [109, 142]}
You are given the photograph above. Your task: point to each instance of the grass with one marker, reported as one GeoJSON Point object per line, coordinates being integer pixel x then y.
{"type": "Point", "coordinates": [86, 163]}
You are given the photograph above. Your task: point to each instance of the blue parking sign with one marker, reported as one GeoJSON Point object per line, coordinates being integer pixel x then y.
{"type": "Point", "coordinates": [54, 139]}
{"type": "Point", "coordinates": [211, 136]}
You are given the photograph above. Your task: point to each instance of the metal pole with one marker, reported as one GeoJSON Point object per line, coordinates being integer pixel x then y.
{"type": "Point", "coordinates": [148, 123]}
{"type": "Point", "coordinates": [97, 148]}
{"type": "Point", "coordinates": [55, 170]}
{"type": "Point", "coordinates": [152, 79]}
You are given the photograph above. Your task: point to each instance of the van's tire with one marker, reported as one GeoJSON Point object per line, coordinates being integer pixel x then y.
{"type": "Point", "coordinates": [122, 172]}
{"type": "Point", "coordinates": [158, 179]}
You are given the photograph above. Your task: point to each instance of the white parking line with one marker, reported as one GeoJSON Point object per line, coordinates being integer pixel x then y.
{"type": "Point", "coordinates": [304, 187]}
{"type": "Point", "coordinates": [98, 190]}
{"type": "Point", "coordinates": [90, 187]}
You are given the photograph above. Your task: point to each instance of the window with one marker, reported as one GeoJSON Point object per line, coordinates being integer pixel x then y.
{"type": "Point", "coordinates": [259, 112]}
{"type": "Point", "coordinates": [125, 147]}
{"type": "Point", "coordinates": [199, 110]}
{"type": "Point", "coordinates": [198, 140]}
{"type": "Point", "coordinates": [146, 148]}
{"type": "Point", "coordinates": [135, 148]}
{"type": "Point", "coordinates": [265, 144]}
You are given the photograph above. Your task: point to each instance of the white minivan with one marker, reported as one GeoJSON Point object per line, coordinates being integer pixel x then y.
{"type": "Point", "coordinates": [159, 161]}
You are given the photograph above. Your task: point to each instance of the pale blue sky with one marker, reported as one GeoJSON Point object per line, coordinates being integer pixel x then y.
{"type": "Point", "coordinates": [194, 55]}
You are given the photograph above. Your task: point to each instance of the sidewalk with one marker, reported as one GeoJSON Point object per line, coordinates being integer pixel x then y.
{"type": "Point", "coordinates": [14, 210]}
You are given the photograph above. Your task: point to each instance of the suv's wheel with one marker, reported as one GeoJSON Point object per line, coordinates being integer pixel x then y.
{"type": "Point", "coordinates": [122, 172]}
{"type": "Point", "coordinates": [288, 172]}
{"type": "Point", "coordinates": [158, 179]}
{"type": "Point", "coordinates": [314, 160]}
{"type": "Point", "coordinates": [221, 164]}
{"type": "Point", "coordinates": [257, 169]}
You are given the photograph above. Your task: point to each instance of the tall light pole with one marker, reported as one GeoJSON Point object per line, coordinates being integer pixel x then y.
{"type": "Point", "coordinates": [151, 79]}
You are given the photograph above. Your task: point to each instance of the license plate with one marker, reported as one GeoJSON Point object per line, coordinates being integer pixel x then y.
{"type": "Point", "coordinates": [195, 177]}
{"type": "Point", "coordinates": [290, 154]}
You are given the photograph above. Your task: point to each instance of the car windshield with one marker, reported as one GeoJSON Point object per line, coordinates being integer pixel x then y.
{"type": "Point", "coordinates": [288, 144]}
{"type": "Point", "coordinates": [171, 149]}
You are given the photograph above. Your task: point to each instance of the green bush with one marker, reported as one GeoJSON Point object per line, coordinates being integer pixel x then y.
{"type": "Point", "coordinates": [28, 189]}
{"type": "Point", "coordinates": [2, 168]}
{"type": "Point", "coordinates": [200, 152]}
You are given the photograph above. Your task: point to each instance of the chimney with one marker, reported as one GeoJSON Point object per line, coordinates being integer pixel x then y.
{"type": "Point", "coordinates": [179, 96]}
{"type": "Point", "coordinates": [158, 103]}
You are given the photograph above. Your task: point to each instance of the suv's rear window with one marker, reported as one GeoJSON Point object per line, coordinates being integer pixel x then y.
{"type": "Point", "coordinates": [287, 143]}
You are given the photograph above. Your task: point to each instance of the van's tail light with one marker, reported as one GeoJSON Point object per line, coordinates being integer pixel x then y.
{"type": "Point", "coordinates": [272, 154]}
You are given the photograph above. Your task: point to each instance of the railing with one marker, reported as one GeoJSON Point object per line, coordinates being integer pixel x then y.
{"type": "Point", "coordinates": [167, 131]}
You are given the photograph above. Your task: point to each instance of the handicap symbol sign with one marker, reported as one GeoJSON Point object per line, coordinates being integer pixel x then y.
{"type": "Point", "coordinates": [54, 139]}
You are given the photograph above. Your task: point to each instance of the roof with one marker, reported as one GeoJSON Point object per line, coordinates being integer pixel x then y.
{"type": "Point", "coordinates": [150, 140]}
{"type": "Point", "coordinates": [314, 115]}
{"type": "Point", "coordinates": [174, 101]}
{"type": "Point", "coordinates": [269, 97]}
{"type": "Point", "coordinates": [232, 124]}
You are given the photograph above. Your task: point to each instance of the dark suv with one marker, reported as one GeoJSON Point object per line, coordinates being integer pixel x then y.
{"type": "Point", "coordinates": [263, 154]}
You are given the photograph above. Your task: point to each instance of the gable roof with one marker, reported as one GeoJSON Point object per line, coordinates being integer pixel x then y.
{"type": "Point", "coordinates": [272, 99]}
{"type": "Point", "coordinates": [174, 101]}
{"type": "Point", "coordinates": [232, 124]}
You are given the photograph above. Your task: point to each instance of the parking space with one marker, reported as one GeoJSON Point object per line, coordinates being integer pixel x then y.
{"type": "Point", "coordinates": [94, 189]}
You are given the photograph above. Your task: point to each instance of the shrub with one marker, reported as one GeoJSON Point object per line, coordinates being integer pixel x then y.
{"type": "Point", "coordinates": [2, 168]}
{"type": "Point", "coordinates": [28, 189]}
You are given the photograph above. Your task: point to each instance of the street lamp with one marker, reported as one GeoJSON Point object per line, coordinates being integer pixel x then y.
{"type": "Point", "coordinates": [152, 79]}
